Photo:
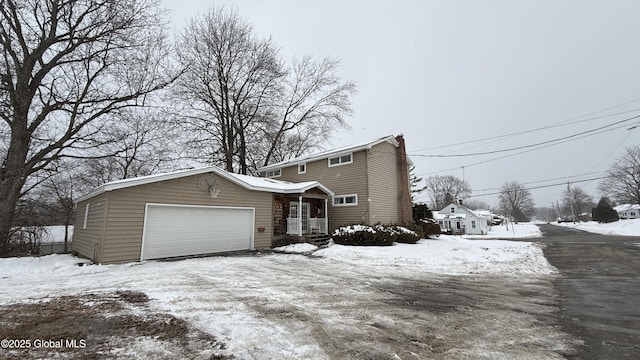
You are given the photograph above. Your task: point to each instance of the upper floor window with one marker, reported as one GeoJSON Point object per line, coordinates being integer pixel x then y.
{"type": "Point", "coordinates": [453, 210]}
{"type": "Point", "coordinates": [302, 168]}
{"type": "Point", "coordinates": [273, 173]}
{"type": "Point", "coordinates": [345, 200]}
{"type": "Point", "coordinates": [341, 160]}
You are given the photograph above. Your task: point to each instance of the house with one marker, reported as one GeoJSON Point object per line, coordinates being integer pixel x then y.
{"type": "Point", "coordinates": [195, 211]}
{"type": "Point", "coordinates": [628, 211]}
{"type": "Point", "coordinates": [459, 219]}
{"type": "Point", "coordinates": [370, 181]}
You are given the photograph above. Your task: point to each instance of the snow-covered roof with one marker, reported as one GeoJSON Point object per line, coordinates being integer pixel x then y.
{"type": "Point", "coordinates": [439, 216]}
{"type": "Point", "coordinates": [463, 208]}
{"type": "Point", "coordinates": [245, 181]}
{"type": "Point", "coordinates": [325, 154]}
{"type": "Point", "coordinates": [626, 207]}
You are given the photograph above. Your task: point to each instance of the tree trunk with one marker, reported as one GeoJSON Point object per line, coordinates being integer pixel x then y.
{"type": "Point", "coordinates": [10, 187]}
{"type": "Point", "coordinates": [12, 178]}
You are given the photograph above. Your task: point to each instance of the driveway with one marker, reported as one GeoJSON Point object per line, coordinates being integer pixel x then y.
{"type": "Point", "coordinates": [360, 305]}
{"type": "Point", "coordinates": [600, 290]}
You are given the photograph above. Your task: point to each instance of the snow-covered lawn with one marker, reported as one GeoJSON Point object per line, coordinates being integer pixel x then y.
{"type": "Point", "coordinates": [512, 231]}
{"type": "Point", "coordinates": [282, 305]}
{"type": "Point", "coordinates": [629, 227]}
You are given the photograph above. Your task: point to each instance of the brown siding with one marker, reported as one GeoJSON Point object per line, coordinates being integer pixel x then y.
{"type": "Point", "coordinates": [125, 220]}
{"type": "Point", "coordinates": [342, 180]}
{"type": "Point", "coordinates": [86, 242]}
{"type": "Point", "coordinates": [383, 184]}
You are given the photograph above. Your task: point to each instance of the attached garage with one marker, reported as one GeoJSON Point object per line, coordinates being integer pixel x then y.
{"type": "Point", "coordinates": [171, 230]}
{"type": "Point", "coordinates": [188, 212]}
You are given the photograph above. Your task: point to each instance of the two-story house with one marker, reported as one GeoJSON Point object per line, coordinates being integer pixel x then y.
{"type": "Point", "coordinates": [208, 210]}
{"type": "Point", "coordinates": [370, 182]}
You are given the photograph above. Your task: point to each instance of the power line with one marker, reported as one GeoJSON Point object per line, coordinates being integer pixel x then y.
{"type": "Point", "coordinates": [546, 186]}
{"type": "Point", "coordinates": [570, 121]}
{"type": "Point", "coordinates": [548, 142]}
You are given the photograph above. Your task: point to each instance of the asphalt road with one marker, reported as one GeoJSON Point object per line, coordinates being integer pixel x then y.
{"type": "Point", "coordinates": [599, 288]}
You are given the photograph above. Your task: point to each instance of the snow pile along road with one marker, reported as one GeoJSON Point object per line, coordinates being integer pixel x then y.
{"type": "Point", "coordinates": [510, 231]}
{"type": "Point", "coordinates": [628, 227]}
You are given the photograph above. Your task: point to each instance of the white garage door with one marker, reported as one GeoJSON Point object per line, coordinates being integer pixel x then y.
{"type": "Point", "coordinates": [191, 230]}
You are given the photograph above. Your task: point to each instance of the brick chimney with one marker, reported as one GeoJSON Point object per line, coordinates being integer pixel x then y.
{"type": "Point", "coordinates": [405, 209]}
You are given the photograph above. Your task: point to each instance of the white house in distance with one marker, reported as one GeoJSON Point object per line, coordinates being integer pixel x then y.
{"type": "Point", "coordinates": [461, 220]}
{"type": "Point", "coordinates": [628, 211]}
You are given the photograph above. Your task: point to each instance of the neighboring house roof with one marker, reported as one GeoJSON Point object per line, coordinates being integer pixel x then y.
{"type": "Point", "coordinates": [245, 181]}
{"type": "Point", "coordinates": [626, 207]}
{"type": "Point", "coordinates": [464, 208]}
{"type": "Point", "coordinates": [439, 216]}
{"type": "Point", "coordinates": [325, 154]}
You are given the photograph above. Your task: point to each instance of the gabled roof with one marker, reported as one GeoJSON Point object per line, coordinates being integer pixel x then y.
{"type": "Point", "coordinates": [245, 181]}
{"type": "Point", "coordinates": [326, 154]}
{"type": "Point", "coordinates": [464, 208]}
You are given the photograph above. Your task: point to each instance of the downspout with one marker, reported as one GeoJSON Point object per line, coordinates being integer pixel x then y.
{"type": "Point", "coordinates": [300, 215]}
{"type": "Point", "coordinates": [326, 217]}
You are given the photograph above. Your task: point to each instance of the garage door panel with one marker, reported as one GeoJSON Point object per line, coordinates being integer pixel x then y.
{"type": "Point", "coordinates": [182, 230]}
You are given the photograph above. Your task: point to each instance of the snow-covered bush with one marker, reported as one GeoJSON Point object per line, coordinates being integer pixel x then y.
{"type": "Point", "coordinates": [377, 235]}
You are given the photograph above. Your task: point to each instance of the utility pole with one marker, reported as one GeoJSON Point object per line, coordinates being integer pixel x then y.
{"type": "Point", "coordinates": [573, 215]}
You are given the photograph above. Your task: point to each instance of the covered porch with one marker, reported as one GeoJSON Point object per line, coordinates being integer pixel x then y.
{"type": "Point", "coordinates": [302, 217]}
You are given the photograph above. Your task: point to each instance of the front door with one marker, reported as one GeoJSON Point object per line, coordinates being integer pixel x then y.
{"type": "Point", "coordinates": [293, 213]}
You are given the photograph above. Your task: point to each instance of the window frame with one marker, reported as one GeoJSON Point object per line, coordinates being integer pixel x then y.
{"type": "Point", "coordinates": [85, 223]}
{"type": "Point", "coordinates": [304, 165]}
{"type": "Point", "coordinates": [340, 161]}
{"type": "Point", "coordinates": [344, 200]}
{"type": "Point", "coordinates": [273, 173]}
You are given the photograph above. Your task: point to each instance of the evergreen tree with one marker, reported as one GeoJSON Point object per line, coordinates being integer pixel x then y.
{"type": "Point", "coordinates": [603, 212]}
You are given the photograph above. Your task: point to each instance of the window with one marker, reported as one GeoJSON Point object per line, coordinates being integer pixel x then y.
{"type": "Point", "coordinates": [473, 224]}
{"type": "Point", "coordinates": [453, 210]}
{"type": "Point", "coordinates": [341, 160]}
{"type": "Point", "coordinates": [345, 200]}
{"type": "Point", "coordinates": [86, 216]}
{"type": "Point", "coordinates": [273, 173]}
{"type": "Point", "coordinates": [302, 168]}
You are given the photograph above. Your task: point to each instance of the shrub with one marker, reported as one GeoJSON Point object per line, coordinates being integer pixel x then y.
{"type": "Point", "coordinates": [378, 235]}
{"type": "Point", "coordinates": [430, 228]}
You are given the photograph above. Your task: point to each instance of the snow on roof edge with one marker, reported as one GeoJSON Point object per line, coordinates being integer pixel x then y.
{"type": "Point", "coordinates": [246, 181]}
{"type": "Point", "coordinates": [327, 153]}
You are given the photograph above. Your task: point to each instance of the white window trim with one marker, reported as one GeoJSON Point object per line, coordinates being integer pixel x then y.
{"type": "Point", "coordinates": [339, 157]}
{"type": "Point", "coordinates": [86, 216]}
{"type": "Point", "coordinates": [333, 202]}
{"type": "Point", "coordinates": [305, 168]}
{"type": "Point", "coordinates": [266, 173]}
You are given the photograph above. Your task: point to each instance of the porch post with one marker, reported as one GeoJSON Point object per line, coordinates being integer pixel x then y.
{"type": "Point", "coordinates": [300, 215]}
{"type": "Point", "coordinates": [326, 217]}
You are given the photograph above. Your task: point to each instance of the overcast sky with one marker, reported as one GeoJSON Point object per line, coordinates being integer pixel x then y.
{"type": "Point", "coordinates": [451, 72]}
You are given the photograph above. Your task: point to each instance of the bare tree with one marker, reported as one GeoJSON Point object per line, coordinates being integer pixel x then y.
{"type": "Point", "coordinates": [623, 181]}
{"type": "Point", "coordinates": [577, 199]}
{"type": "Point", "coordinates": [142, 143]}
{"type": "Point", "coordinates": [515, 200]}
{"type": "Point", "coordinates": [242, 107]}
{"type": "Point", "coordinates": [443, 190]}
{"type": "Point", "coordinates": [314, 101]}
{"type": "Point", "coordinates": [230, 81]}
{"type": "Point", "coordinates": [64, 66]}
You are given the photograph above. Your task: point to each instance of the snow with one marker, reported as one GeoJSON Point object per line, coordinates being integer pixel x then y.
{"type": "Point", "coordinates": [629, 227]}
{"type": "Point", "coordinates": [300, 248]}
{"type": "Point", "coordinates": [513, 231]}
{"type": "Point", "coordinates": [55, 233]}
{"type": "Point", "coordinates": [448, 255]}
{"type": "Point", "coordinates": [229, 296]}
